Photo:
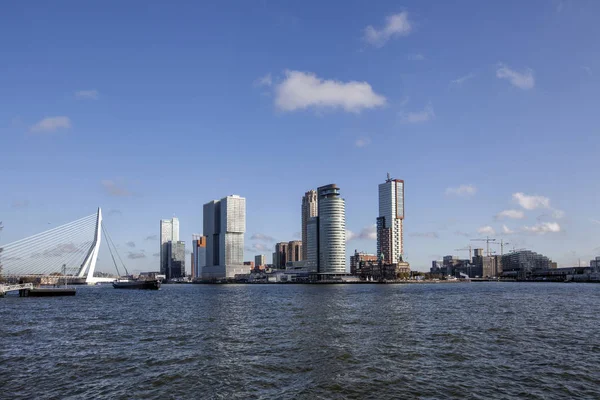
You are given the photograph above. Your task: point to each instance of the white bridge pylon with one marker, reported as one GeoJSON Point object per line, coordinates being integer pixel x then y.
{"type": "Point", "coordinates": [57, 252]}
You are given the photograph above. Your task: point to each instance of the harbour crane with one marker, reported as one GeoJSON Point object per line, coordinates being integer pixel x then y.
{"type": "Point", "coordinates": [487, 241]}
{"type": "Point", "coordinates": [465, 249]}
{"type": "Point", "coordinates": [502, 243]}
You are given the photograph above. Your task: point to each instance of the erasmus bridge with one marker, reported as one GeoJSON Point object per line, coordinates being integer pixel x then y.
{"type": "Point", "coordinates": [65, 253]}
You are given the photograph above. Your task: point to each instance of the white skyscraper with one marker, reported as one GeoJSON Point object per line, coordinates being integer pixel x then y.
{"type": "Point", "coordinates": [332, 230]}
{"type": "Point", "coordinates": [309, 210]}
{"type": "Point", "coordinates": [390, 237]}
{"type": "Point", "coordinates": [169, 231]}
{"type": "Point", "coordinates": [224, 227]}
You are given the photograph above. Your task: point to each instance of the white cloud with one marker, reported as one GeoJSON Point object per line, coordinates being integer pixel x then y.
{"type": "Point", "coordinates": [486, 230]}
{"type": "Point", "coordinates": [545, 227]}
{"type": "Point", "coordinates": [462, 79]}
{"type": "Point", "coordinates": [513, 214]}
{"type": "Point", "coordinates": [430, 235]}
{"type": "Point", "coordinates": [595, 221]}
{"type": "Point", "coordinates": [506, 230]}
{"type": "Point", "coordinates": [300, 90]}
{"type": "Point", "coordinates": [115, 189]}
{"type": "Point", "coordinates": [558, 214]}
{"type": "Point", "coordinates": [416, 57]}
{"type": "Point", "coordinates": [415, 117]}
{"type": "Point", "coordinates": [368, 233]}
{"type": "Point", "coordinates": [522, 80]}
{"type": "Point", "coordinates": [51, 124]}
{"type": "Point", "coordinates": [462, 190]}
{"type": "Point", "coordinates": [531, 202]}
{"type": "Point", "coordinates": [362, 142]}
{"type": "Point", "coordinates": [395, 25]}
{"type": "Point", "coordinates": [87, 94]}
{"type": "Point", "coordinates": [264, 81]}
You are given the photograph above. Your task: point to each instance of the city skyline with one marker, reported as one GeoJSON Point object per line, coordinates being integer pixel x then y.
{"type": "Point", "coordinates": [477, 119]}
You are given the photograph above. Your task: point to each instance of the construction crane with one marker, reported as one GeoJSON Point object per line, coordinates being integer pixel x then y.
{"type": "Point", "coordinates": [502, 243]}
{"type": "Point", "coordinates": [487, 241]}
{"type": "Point", "coordinates": [465, 249]}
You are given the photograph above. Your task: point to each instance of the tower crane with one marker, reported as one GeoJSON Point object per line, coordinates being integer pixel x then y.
{"type": "Point", "coordinates": [487, 241]}
{"type": "Point", "coordinates": [502, 243]}
{"type": "Point", "coordinates": [465, 249]}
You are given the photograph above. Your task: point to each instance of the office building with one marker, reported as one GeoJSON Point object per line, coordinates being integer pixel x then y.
{"type": "Point", "coordinates": [332, 230]}
{"type": "Point", "coordinates": [390, 239]}
{"type": "Point", "coordinates": [294, 251]}
{"type": "Point", "coordinates": [281, 255]}
{"type": "Point", "coordinates": [312, 244]}
{"type": "Point", "coordinates": [224, 226]}
{"type": "Point", "coordinates": [521, 264]}
{"type": "Point", "coordinates": [259, 260]}
{"type": "Point", "coordinates": [176, 260]}
{"type": "Point", "coordinates": [309, 210]}
{"type": "Point", "coordinates": [169, 231]}
{"type": "Point", "coordinates": [198, 255]}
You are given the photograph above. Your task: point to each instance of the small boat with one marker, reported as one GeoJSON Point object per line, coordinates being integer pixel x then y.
{"type": "Point", "coordinates": [153, 284]}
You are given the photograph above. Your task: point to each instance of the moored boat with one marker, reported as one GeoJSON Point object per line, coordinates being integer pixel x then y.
{"type": "Point", "coordinates": [137, 284]}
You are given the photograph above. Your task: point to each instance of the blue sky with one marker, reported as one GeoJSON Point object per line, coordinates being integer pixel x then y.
{"type": "Point", "coordinates": [150, 109]}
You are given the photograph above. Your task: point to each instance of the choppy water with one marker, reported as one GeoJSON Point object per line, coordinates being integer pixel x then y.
{"type": "Point", "coordinates": [431, 341]}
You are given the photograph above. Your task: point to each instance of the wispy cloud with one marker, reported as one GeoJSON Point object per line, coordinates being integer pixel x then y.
{"type": "Point", "coordinates": [462, 190]}
{"type": "Point", "coordinates": [512, 214]}
{"type": "Point", "coordinates": [416, 57]}
{"type": "Point", "coordinates": [595, 221]}
{"type": "Point", "coordinates": [152, 237]}
{"type": "Point", "coordinates": [369, 233]}
{"type": "Point", "coordinates": [262, 237]}
{"type": "Point", "coordinates": [486, 230]}
{"type": "Point", "coordinates": [87, 94]}
{"type": "Point", "coordinates": [587, 69]}
{"type": "Point", "coordinates": [259, 247]}
{"type": "Point", "coordinates": [266, 80]}
{"type": "Point", "coordinates": [430, 235]}
{"type": "Point", "coordinates": [523, 80]}
{"type": "Point", "coordinates": [543, 228]}
{"type": "Point", "coordinates": [506, 230]}
{"type": "Point", "coordinates": [20, 204]}
{"type": "Point", "coordinates": [301, 90]}
{"type": "Point", "coordinates": [113, 211]}
{"type": "Point", "coordinates": [395, 25]}
{"type": "Point", "coordinates": [530, 202]}
{"type": "Point", "coordinates": [114, 189]}
{"type": "Point", "coordinates": [416, 117]}
{"type": "Point", "coordinates": [462, 79]}
{"type": "Point", "coordinates": [460, 233]}
{"type": "Point", "coordinates": [130, 244]}
{"type": "Point", "coordinates": [51, 124]}
{"type": "Point", "coordinates": [133, 255]}
{"type": "Point", "coordinates": [156, 255]}
{"type": "Point", "coordinates": [362, 142]}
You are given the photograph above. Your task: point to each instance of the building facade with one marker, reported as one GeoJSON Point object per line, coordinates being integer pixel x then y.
{"type": "Point", "coordinates": [312, 244]}
{"type": "Point", "coordinates": [332, 230]}
{"type": "Point", "coordinates": [390, 235]}
{"type": "Point", "coordinates": [176, 263]}
{"type": "Point", "coordinates": [309, 210]}
{"type": "Point", "coordinates": [259, 260]}
{"type": "Point", "coordinates": [294, 252]}
{"type": "Point", "coordinates": [358, 258]}
{"type": "Point", "coordinates": [198, 255]}
{"type": "Point", "coordinates": [521, 264]}
{"type": "Point", "coordinates": [224, 225]}
{"type": "Point", "coordinates": [281, 255]}
{"type": "Point", "coordinates": [169, 231]}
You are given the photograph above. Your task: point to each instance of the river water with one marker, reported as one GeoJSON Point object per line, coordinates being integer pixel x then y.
{"type": "Point", "coordinates": [426, 341]}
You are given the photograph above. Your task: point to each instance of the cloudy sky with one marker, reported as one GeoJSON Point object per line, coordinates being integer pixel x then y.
{"type": "Point", "coordinates": [487, 110]}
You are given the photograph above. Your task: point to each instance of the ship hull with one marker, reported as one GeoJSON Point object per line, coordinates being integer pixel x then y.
{"type": "Point", "coordinates": [142, 285]}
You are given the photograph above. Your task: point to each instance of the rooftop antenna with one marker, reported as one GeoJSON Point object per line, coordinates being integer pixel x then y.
{"type": "Point", "coordinates": [388, 176]}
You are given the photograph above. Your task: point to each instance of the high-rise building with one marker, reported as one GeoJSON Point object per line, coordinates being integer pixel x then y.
{"type": "Point", "coordinates": [198, 255]}
{"type": "Point", "coordinates": [312, 244]}
{"type": "Point", "coordinates": [358, 258]}
{"type": "Point", "coordinates": [309, 210]}
{"type": "Point", "coordinates": [294, 252]}
{"type": "Point", "coordinates": [169, 231]}
{"type": "Point", "coordinates": [259, 260]}
{"type": "Point", "coordinates": [281, 251]}
{"type": "Point", "coordinates": [224, 227]}
{"type": "Point", "coordinates": [176, 256]}
{"type": "Point", "coordinates": [332, 230]}
{"type": "Point", "coordinates": [390, 238]}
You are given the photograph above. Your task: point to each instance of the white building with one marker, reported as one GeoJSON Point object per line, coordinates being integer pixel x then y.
{"type": "Point", "coordinates": [169, 232]}
{"type": "Point", "coordinates": [390, 239]}
{"type": "Point", "coordinates": [309, 210]}
{"type": "Point", "coordinates": [332, 230]}
{"type": "Point", "coordinates": [224, 228]}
